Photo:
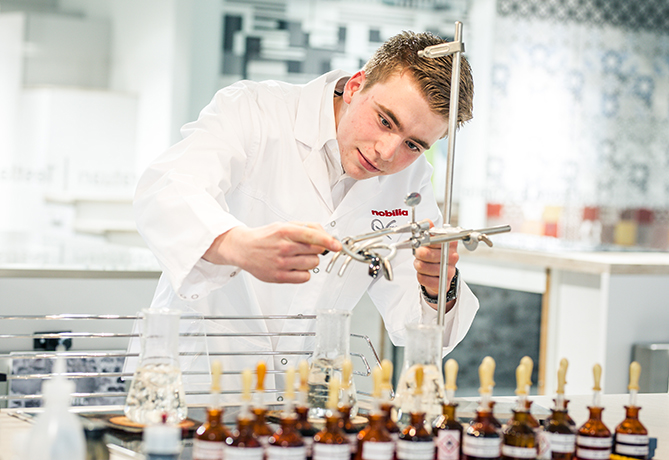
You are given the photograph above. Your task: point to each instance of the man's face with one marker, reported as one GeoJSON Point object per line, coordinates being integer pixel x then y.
{"type": "Point", "coordinates": [383, 130]}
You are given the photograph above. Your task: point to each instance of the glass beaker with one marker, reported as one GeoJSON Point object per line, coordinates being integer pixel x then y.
{"type": "Point", "coordinates": [333, 343]}
{"type": "Point", "coordinates": [423, 347]}
{"type": "Point", "coordinates": [157, 387]}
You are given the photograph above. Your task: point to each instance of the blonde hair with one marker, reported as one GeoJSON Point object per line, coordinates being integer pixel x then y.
{"type": "Point", "coordinates": [433, 76]}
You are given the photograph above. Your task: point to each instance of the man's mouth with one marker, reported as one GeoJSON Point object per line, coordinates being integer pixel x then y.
{"type": "Point", "coordinates": [368, 165]}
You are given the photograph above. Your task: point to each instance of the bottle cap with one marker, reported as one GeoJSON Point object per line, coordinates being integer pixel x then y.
{"type": "Point", "coordinates": [162, 439]}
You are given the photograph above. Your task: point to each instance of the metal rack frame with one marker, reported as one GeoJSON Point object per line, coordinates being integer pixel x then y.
{"type": "Point", "coordinates": [364, 358]}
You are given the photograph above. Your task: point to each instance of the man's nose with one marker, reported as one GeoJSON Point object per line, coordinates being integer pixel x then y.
{"type": "Point", "coordinates": [388, 146]}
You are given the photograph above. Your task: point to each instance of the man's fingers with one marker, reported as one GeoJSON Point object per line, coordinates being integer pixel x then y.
{"type": "Point", "coordinates": [315, 238]}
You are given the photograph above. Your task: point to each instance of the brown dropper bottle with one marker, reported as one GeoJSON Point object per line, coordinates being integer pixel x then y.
{"type": "Point", "coordinates": [287, 442]}
{"type": "Point", "coordinates": [243, 444]}
{"type": "Point", "coordinates": [261, 428]}
{"type": "Point", "coordinates": [482, 439]}
{"type": "Point", "coordinates": [447, 430]}
{"type": "Point", "coordinates": [210, 437]}
{"type": "Point", "coordinates": [415, 442]}
{"type": "Point", "coordinates": [387, 405]}
{"type": "Point", "coordinates": [631, 437]}
{"type": "Point", "coordinates": [559, 432]}
{"type": "Point", "coordinates": [346, 405]}
{"type": "Point", "coordinates": [304, 426]}
{"type": "Point", "coordinates": [520, 440]}
{"type": "Point", "coordinates": [374, 441]}
{"type": "Point", "coordinates": [331, 442]}
{"type": "Point", "coordinates": [593, 439]}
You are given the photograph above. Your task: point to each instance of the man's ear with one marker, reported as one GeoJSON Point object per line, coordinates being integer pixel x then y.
{"type": "Point", "coordinates": [353, 85]}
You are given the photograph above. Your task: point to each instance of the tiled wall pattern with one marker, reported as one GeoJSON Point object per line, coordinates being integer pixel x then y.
{"type": "Point", "coordinates": [580, 120]}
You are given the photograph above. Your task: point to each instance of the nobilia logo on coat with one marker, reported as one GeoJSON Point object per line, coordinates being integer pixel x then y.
{"type": "Point", "coordinates": [390, 213]}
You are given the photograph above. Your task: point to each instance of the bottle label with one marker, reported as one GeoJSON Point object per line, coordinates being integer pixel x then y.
{"type": "Point", "coordinates": [448, 445]}
{"type": "Point", "coordinates": [561, 443]}
{"type": "Point", "coordinates": [378, 450]}
{"type": "Point", "coordinates": [632, 438]}
{"type": "Point", "coordinates": [410, 450]}
{"type": "Point", "coordinates": [519, 452]}
{"type": "Point", "coordinates": [207, 450]}
{"type": "Point", "coordinates": [589, 454]}
{"type": "Point", "coordinates": [589, 441]}
{"type": "Point", "coordinates": [292, 453]}
{"type": "Point", "coordinates": [331, 451]}
{"type": "Point", "coordinates": [353, 441]}
{"type": "Point", "coordinates": [635, 450]}
{"type": "Point", "coordinates": [243, 453]}
{"type": "Point", "coordinates": [482, 447]}
{"type": "Point", "coordinates": [309, 445]}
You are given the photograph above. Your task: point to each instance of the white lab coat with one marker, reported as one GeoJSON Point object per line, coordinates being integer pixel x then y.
{"type": "Point", "coordinates": [255, 156]}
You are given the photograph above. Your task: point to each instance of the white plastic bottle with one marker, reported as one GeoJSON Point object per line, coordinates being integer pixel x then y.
{"type": "Point", "coordinates": [57, 433]}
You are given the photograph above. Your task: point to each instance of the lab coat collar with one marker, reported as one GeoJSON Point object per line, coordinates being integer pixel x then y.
{"type": "Point", "coordinates": [317, 98]}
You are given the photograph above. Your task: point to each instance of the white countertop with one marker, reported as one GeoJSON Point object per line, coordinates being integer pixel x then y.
{"type": "Point", "coordinates": [544, 252]}
{"type": "Point", "coordinates": [37, 255]}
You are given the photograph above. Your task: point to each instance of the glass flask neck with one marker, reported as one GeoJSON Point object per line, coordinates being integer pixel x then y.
{"type": "Point", "coordinates": [160, 337]}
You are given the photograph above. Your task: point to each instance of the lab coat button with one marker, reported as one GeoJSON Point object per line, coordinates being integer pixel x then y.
{"type": "Point", "coordinates": [194, 296]}
{"type": "Point", "coordinates": [316, 270]}
{"type": "Point", "coordinates": [233, 273]}
{"type": "Point", "coordinates": [279, 398]}
{"type": "Point", "coordinates": [333, 223]}
{"type": "Point", "coordinates": [284, 361]}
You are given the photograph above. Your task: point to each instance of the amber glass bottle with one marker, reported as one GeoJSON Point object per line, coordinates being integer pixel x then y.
{"type": "Point", "coordinates": [385, 402]}
{"type": "Point", "coordinates": [345, 407]}
{"type": "Point", "coordinates": [304, 426]}
{"type": "Point", "coordinates": [631, 437]}
{"type": "Point", "coordinates": [287, 442]}
{"type": "Point", "coordinates": [210, 437]}
{"type": "Point", "coordinates": [593, 438]}
{"type": "Point", "coordinates": [243, 444]}
{"type": "Point", "coordinates": [446, 429]}
{"type": "Point", "coordinates": [482, 438]}
{"type": "Point", "coordinates": [520, 440]}
{"type": "Point", "coordinates": [374, 441]}
{"type": "Point", "coordinates": [261, 428]}
{"type": "Point", "coordinates": [331, 443]}
{"type": "Point", "coordinates": [560, 433]}
{"type": "Point", "coordinates": [415, 442]}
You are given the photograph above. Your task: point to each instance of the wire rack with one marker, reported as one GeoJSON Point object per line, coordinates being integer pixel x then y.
{"type": "Point", "coordinates": [106, 337]}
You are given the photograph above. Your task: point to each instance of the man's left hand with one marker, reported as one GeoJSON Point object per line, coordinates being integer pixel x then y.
{"type": "Point", "coordinates": [427, 265]}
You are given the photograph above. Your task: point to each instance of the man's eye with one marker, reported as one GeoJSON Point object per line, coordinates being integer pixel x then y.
{"type": "Point", "coordinates": [384, 122]}
{"type": "Point", "coordinates": [413, 146]}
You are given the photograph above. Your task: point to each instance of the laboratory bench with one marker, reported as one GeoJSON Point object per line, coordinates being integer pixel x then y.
{"type": "Point", "coordinates": [597, 302]}
{"type": "Point", "coordinates": [14, 427]}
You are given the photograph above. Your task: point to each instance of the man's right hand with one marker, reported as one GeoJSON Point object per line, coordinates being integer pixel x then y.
{"type": "Point", "coordinates": [276, 253]}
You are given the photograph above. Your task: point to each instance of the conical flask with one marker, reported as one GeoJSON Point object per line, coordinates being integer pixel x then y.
{"type": "Point", "coordinates": [423, 348]}
{"type": "Point", "coordinates": [157, 387]}
{"type": "Point", "coordinates": [333, 343]}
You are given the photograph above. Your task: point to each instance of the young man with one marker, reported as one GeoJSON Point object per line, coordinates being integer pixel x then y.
{"type": "Point", "coordinates": [241, 211]}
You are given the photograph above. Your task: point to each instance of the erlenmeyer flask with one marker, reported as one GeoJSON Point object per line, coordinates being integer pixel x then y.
{"type": "Point", "coordinates": [332, 348]}
{"type": "Point", "coordinates": [157, 387]}
{"type": "Point", "coordinates": [423, 348]}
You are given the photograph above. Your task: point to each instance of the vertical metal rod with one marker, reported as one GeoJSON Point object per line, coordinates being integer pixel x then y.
{"type": "Point", "coordinates": [450, 162]}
